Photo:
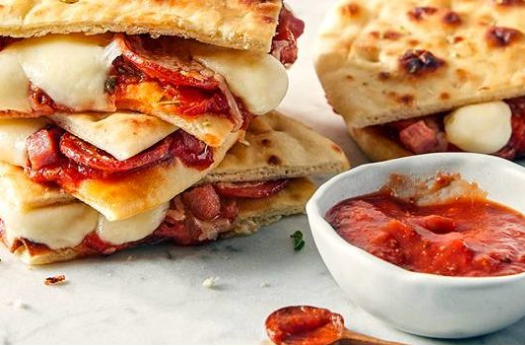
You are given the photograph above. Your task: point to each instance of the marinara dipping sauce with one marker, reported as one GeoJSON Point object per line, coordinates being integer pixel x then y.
{"type": "Point", "coordinates": [464, 235]}
{"type": "Point", "coordinates": [304, 325]}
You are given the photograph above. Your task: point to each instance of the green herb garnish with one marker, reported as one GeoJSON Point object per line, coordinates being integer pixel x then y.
{"type": "Point", "coordinates": [298, 241]}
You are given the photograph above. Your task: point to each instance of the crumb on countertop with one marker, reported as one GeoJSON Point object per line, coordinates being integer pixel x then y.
{"type": "Point", "coordinates": [55, 280]}
{"type": "Point", "coordinates": [211, 282]}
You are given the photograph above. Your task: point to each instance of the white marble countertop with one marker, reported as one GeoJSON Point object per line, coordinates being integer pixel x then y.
{"type": "Point", "coordinates": [155, 295]}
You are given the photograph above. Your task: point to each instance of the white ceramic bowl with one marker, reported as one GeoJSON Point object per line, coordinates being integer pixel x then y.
{"type": "Point", "coordinates": [422, 304]}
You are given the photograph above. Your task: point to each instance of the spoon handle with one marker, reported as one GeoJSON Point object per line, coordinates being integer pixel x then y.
{"type": "Point", "coordinates": [353, 338]}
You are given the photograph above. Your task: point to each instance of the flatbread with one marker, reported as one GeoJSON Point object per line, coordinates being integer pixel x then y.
{"type": "Point", "coordinates": [146, 189]}
{"type": "Point", "coordinates": [376, 146]}
{"type": "Point", "coordinates": [279, 147]}
{"type": "Point", "coordinates": [230, 23]}
{"type": "Point", "coordinates": [26, 194]}
{"type": "Point", "coordinates": [252, 216]}
{"type": "Point", "coordinates": [121, 134]}
{"type": "Point", "coordinates": [359, 50]}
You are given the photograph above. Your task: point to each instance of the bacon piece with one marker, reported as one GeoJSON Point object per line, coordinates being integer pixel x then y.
{"type": "Point", "coordinates": [43, 147]}
{"type": "Point", "coordinates": [90, 156]}
{"type": "Point", "coordinates": [144, 53]}
{"type": "Point", "coordinates": [258, 189]}
{"type": "Point", "coordinates": [419, 138]}
{"type": "Point", "coordinates": [203, 202]}
{"type": "Point", "coordinates": [284, 45]}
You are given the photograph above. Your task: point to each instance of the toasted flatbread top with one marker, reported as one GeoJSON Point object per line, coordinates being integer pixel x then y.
{"type": "Point", "coordinates": [242, 24]}
{"type": "Point", "coordinates": [279, 147]}
{"type": "Point", "coordinates": [382, 60]}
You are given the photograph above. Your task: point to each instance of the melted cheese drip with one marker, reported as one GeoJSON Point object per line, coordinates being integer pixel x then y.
{"type": "Point", "coordinates": [259, 79]}
{"type": "Point", "coordinates": [71, 69]}
{"type": "Point", "coordinates": [13, 135]}
{"type": "Point", "coordinates": [133, 229]}
{"type": "Point", "coordinates": [483, 128]}
{"type": "Point", "coordinates": [57, 227]}
{"type": "Point", "coordinates": [66, 226]}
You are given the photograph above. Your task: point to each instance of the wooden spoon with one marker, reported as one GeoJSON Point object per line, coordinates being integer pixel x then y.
{"type": "Point", "coordinates": [352, 338]}
{"type": "Point", "coordinates": [307, 325]}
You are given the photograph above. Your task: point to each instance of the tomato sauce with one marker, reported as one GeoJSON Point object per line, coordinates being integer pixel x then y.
{"type": "Point", "coordinates": [304, 325]}
{"type": "Point", "coordinates": [469, 237]}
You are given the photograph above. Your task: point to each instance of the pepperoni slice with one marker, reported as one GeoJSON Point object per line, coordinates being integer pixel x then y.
{"type": "Point", "coordinates": [304, 325]}
{"type": "Point", "coordinates": [254, 190]}
{"type": "Point", "coordinates": [90, 156]}
{"type": "Point", "coordinates": [159, 64]}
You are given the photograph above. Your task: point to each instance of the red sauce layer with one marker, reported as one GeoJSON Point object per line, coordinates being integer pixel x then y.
{"type": "Point", "coordinates": [465, 237]}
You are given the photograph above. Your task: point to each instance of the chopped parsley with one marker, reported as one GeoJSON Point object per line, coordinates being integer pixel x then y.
{"type": "Point", "coordinates": [298, 241]}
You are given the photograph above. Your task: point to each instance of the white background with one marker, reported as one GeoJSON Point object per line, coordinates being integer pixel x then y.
{"type": "Point", "coordinates": [155, 295]}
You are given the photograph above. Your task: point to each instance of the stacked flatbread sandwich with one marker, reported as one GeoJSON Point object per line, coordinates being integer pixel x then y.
{"type": "Point", "coordinates": [111, 114]}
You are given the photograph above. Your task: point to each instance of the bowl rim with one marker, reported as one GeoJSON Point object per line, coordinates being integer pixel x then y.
{"type": "Point", "coordinates": [314, 213]}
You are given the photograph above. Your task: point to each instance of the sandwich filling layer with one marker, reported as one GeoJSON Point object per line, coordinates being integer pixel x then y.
{"type": "Point", "coordinates": [121, 164]}
{"type": "Point", "coordinates": [199, 215]}
{"type": "Point", "coordinates": [200, 88]}
{"type": "Point", "coordinates": [496, 128]}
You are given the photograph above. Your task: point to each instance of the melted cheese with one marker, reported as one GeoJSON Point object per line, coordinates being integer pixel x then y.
{"type": "Point", "coordinates": [66, 226]}
{"type": "Point", "coordinates": [57, 227]}
{"type": "Point", "coordinates": [71, 69]}
{"type": "Point", "coordinates": [483, 128]}
{"type": "Point", "coordinates": [132, 229]}
{"type": "Point", "coordinates": [14, 86]}
{"type": "Point", "coordinates": [13, 135]}
{"type": "Point", "coordinates": [259, 79]}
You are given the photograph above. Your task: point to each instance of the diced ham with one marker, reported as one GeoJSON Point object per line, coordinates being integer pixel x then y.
{"type": "Point", "coordinates": [199, 216]}
{"type": "Point", "coordinates": [419, 138]}
{"type": "Point", "coordinates": [203, 202]}
{"type": "Point", "coordinates": [43, 147]}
